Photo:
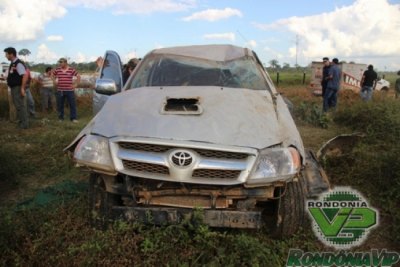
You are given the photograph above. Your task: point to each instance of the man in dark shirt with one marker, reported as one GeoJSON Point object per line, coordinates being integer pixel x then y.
{"type": "Point", "coordinates": [17, 81]}
{"type": "Point", "coordinates": [368, 83]}
{"type": "Point", "coordinates": [325, 74]}
{"type": "Point", "coordinates": [397, 86]}
{"type": "Point", "coordinates": [330, 97]}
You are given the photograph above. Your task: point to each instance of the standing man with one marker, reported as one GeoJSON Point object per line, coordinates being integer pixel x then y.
{"type": "Point", "coordinates": [368, 83]}
{"type": "Point", "coordinates": [16, 80]}
{"type": "Point", "coordinates": [29, 97]}
{"type": "Point", "coordinates": [325, 74]}
{"type": "Point", "coordinates": [397, 86]}
{"type": "Point", "coordinates": [65, 89]}
{"type": "Point", "coordinates": [330, 97]}
{"type": "Point", "coordinates": [46, 84]}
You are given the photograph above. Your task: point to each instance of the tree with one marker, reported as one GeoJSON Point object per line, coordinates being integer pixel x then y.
{"type": "Point", "coordinates": [286, 66]}
{"type": "Point", "coordinates": [274, 63]}
{"type": "Point", "coordinates": [24, 52]}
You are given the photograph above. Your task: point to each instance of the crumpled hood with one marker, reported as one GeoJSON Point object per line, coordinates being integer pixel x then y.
{"type": "Point", "coordinates": [238, 117]}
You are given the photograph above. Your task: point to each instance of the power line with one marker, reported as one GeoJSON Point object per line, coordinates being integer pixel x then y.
{"type": "Point", "coordinates": [241, 35]}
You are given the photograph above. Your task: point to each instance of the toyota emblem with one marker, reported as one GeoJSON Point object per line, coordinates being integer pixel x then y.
{"type": "Point", "coordinates": [182, 158]}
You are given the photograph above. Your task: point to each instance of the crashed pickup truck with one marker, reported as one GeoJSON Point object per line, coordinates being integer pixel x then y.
{"type": "Point", "coordinates": [196, 128]}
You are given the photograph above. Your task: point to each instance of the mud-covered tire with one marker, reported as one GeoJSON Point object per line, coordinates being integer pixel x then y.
{"type": "Point", "coordinates": [100, 202]}
{"type": "Point", "coordinates": [290, 212]}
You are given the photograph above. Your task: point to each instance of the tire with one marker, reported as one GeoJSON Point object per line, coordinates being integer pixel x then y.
{"type": "Point", "coordinates": [290, 212]}
{"type": "Point", "coordinates": [100, 202]}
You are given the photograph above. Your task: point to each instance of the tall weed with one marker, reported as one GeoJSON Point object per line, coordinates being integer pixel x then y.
{"type": "Point", "coordinates": [374, 167]}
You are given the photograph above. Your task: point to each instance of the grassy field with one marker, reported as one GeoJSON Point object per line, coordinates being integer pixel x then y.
{"type": "Point", "coordinates": [43, 202]}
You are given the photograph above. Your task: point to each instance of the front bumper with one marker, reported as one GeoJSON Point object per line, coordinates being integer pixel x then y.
{"type": "Point", "coordinates": [166, 215]}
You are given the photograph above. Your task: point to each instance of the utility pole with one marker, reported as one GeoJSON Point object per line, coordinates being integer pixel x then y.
{"type": "Point", "coordinates": [297, 46]}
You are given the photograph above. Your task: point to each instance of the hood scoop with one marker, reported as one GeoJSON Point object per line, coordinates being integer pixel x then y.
{"type": "Point", "coordinates": [182, 106]}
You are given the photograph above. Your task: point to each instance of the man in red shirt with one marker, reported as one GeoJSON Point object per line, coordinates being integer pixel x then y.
{"type": "Point", "coordinates": [65, 88]}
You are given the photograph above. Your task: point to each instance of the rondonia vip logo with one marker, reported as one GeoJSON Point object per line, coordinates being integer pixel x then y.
{"type": "Point", "coordinates": [342, 218]}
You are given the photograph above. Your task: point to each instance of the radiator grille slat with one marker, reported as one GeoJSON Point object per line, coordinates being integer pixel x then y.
{"type": "Point", "coordinates": [207, 153]}
{"type": "Point", "coordinates": [216, 174]}
{"type": "Point", "coordinates": [145, 167]}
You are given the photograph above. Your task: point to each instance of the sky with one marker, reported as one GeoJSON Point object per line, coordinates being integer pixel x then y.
{"type": "Point", "coordinates": [301, 31]}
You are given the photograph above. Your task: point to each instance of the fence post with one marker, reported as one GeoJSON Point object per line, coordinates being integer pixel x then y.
{"type": "Point", "coordinates": [277, 78]}
{"type": "Point", "coordinates": [304, 77]}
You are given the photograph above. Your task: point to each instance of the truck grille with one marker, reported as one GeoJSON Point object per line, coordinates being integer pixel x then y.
{"type": "Point", "coordinates": [199, 164]}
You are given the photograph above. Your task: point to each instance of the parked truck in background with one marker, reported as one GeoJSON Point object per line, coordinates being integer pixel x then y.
{"type": "Point", "coordinates": [351, 75]}
{"type": "Point", "coordinates": [4, 71]}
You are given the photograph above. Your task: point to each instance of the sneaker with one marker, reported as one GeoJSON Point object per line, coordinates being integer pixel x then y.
{"type": "Point", "coordinates": [74, 121]}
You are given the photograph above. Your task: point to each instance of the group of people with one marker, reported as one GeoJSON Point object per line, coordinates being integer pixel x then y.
{"type": "Point", "coordinates": [331, 82]}
{"type": "Point", "coordinates": [61, 79]}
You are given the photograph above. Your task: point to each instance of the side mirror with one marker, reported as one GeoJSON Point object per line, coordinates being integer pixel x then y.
{"type": "Point", "coordinates": [105, 87]}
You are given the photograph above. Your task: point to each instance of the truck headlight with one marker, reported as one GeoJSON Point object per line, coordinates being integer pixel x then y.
{"type": "Point", "coordinates": [93, 151]}
{"type": "Point", "coordinates": [275, 164]}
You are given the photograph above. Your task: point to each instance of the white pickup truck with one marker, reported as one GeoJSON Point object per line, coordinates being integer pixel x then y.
{"type": "Point", "coordinates": [196, 127]}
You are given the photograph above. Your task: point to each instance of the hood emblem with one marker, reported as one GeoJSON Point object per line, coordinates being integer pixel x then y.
{"type": "Point", "coordinates": [181, 158]}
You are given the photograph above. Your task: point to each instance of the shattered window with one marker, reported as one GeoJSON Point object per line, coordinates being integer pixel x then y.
{"type": "Point", "coordinates": [188, 71]}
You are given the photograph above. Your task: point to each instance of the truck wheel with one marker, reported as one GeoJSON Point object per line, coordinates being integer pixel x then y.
{"type": "Point", "coordinates": [290, 209]}
{"type": "Point", "coordinates": [100, 202]}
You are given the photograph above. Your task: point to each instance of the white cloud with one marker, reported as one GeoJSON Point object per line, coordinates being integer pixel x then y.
{"type": "Point", "coordinates": [272, 53]}
{"type": "Point", "coordinates": [251, 44]}
{"type": "Point", "coordinates": [364, 29]}
{"type": "Point", "coordinates": [55, 38]}
{"type": "Point", "coordinates": [45, 55]}
{"type": "Point", "coordinates": [214, 14]}
{"type": "Point", "coordinates": [79, 58]}
{"type": "Point", "coordinates": [128, 56]}
{"type": "Point", "coordinates": [226, 36]}
{"type": "Point", "coordinates": [24, 20]}
{"type": "Point", "coordinates": [135, 6]}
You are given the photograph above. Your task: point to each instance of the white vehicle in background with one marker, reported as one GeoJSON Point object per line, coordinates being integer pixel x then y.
{"type": "Point", "coordinates": [382, 85]}
{"type": "Point", "coordinates": [4, 71]}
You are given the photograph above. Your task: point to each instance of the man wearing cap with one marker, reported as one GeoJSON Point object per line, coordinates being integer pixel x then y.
{"type": "Point", "coordinates": [332, 88]}
{"type": "Point", "coordinates": [17, 80]}
{"type": "Point", "coordinates": [325, 74]}
{"type": "Point", "coordinates": [65, 88]}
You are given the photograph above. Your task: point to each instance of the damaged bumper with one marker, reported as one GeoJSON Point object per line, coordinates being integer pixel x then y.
{"type": "Point", "coordinates": [213, 218]}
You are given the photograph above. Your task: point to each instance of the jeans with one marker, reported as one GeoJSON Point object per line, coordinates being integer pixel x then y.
{"type": "Point", "coordinates": [366, 93]}
{"type": "Point", "coordinates": [330, 99]}
{"type": "Point", "coordinates": [47, 98]}
{"type": "Point", "coordinates": [70, 96]}
{"type": "Point", "coordinates": [31, 102]}
{"type": "Point", "coordinates": [20, 106]}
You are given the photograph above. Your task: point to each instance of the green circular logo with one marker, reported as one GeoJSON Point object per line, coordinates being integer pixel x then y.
{"type": "Point", "coordinates": [342, 218]}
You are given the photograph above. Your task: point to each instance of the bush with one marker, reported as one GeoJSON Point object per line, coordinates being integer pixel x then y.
{"type": "Point", "coordinates": [374, 167]}
{"type": "Point", "coordinates": [312, 113]}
